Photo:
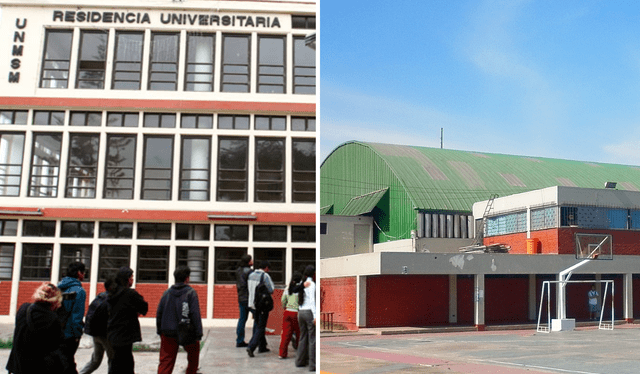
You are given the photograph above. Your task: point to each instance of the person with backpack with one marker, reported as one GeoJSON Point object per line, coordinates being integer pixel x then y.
{"type": "Point", "coordinates": [72, 311]}
{"type": "Point", "coordinates": [123, 326]}
{"type": "Point", "coordinates": [260, 303]}
{"type": "Point", "coordinates": [242, 275]}
{"type": "Point", "coordinates": [37, 335]}
{"type": "Point", "coordinates": [290, 317]}
{"type": "Point", "coordinates": [96, 326]}
{"type": "Point", "coordinates": [179, 306]}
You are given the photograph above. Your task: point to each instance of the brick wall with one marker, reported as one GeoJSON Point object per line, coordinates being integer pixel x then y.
{"type": "Point", "coordinates": [26, 290]}
{"type": "Point", "coordinates": [5, 296]}
{"type": "Point", "coordinates": [549, 240]}
{"type": "Point", "coordinates": [338, 295]}
{"type": "Point", "coordinates": [152, 293]}
{"type": "Point", "coordinates": [225, 301]}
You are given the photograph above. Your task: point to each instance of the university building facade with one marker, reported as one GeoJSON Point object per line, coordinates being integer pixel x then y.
{"type": "Point", "coordinates": [153, 136]}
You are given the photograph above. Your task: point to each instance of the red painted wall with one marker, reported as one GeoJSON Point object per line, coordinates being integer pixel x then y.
{"type": "Point", "coordinates": [518, 242]}
{"type": "Point", "coordinates": [506, 300]}
{"type": "Point", "coordinates": [409, 300]}
{"type": "Point", "coordinates": [465, 300]}
{"type": "Point", "coordinates": [338, 295]}
{"type": "Point", "coordinates": [5, 296]}
{"type": "Point", "coordinates": [636, 296]}
{"type": "Point", "coordinates": [152, 293]}
{"type": "Point", "coordinates": [225, 301]}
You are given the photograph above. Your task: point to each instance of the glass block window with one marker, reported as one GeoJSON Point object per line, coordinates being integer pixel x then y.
{"type": "Point", "coordinates": [36, 261]}
{"type": "Point", "coordinates": [506, 224]}
{"type": "Point", "coordinates": [634, 216]}
{"type": "Point", "coordinates": [226, 262]}
{"type": "Point", "coordinates": [7, 251]}
{"type": "Point", "coordinates": [112, 258]}
{"type": "Point", "coordinates": [196, 258]}
{"type": "Point", "coordinates": [544, 218]}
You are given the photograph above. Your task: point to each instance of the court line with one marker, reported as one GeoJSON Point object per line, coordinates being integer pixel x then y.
{"type": "Point", "coordinates": [536, 367]}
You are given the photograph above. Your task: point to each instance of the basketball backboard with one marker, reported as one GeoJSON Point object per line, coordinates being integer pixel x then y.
{"type": "Point", "coordinates": [594, 246]}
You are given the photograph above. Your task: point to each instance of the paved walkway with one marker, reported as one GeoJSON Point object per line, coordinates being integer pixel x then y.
{"type": "Point", "coordinates": [219, 354]}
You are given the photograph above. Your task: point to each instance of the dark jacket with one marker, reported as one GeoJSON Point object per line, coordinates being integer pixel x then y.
{"type": "Point", "coordinates": [36, 346]}
{"type": "Point", "coordinates": [97, 326]}
{"type": "Point", "coordinates": [74, 326]}
{"type": "Point", "coordinates": [170, 310]}
{"type": "Point", "coordinates": [123, 327]}
{"type": "Point", "coordinates": [242, 273]}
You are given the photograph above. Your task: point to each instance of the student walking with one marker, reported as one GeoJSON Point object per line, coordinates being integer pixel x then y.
{"type": "Point", "coordinates": [123, 327]}
{"type": "Point", "coordinates": [260, 313]}
{"type": "Point", "coordinates": [242, 274]}
{"type": "Point", "coordinates": [74, 297]}
{"type": "Point", "coordinates": [306, 354]}
{"type": "Point", "coordinates": [178, 301]}
{"type": "Point", "coordinates": [290, 317]}
{"type": "Point", "coordinates": [38, 334]}
{"type": "Point", "coordinates": [96, 327]}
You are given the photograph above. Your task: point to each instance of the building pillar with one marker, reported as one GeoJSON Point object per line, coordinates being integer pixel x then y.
{"type": "Point", "coordinates": [361, 297]}
{"type": "Point", "coordinates": [478, 301]}
{"type": "Point", "coordinates": [532, 297]}
{"type": "Point", "coordinates": [628, 297]}
{"type": "Point", "coordinates": [453, 299]}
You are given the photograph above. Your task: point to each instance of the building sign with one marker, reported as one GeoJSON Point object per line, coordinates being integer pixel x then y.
{"type": "Point", "coordinates": [17, 50]}
{"type": "Point", "coordinates": [186, 19]}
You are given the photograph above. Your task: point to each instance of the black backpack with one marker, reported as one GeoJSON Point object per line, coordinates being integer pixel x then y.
{"type": "Point", "coordinates": [63, 313]}
{"type": "Point", "coordinates": [263, 301]}
{"type": "Point", "coordinates": [97, 324]}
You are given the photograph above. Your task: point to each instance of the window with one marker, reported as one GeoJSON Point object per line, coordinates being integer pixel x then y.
{"type": "Point", "coordinates": [269, 182]}
{"type": "Point", "coordinates": [232, 169]}
{"type": "Point", "coordinates": [323, 228]}
{"type": "Point", "coordinates": [263, 233]}
{"type": "Point", "coordinates": [45, 165]}
{"type": "Point", "coordinates": [304, 67]}
{"type": "Point", "coordinates": [156, 173]}
{"type": "Point", "coordinates": [92, 59]}
{"type": "Point", "coordinates": [194, 169]}
{"type": "Point", "coordinates": [11, 153]}
{"type": "Point", "coordinates": [196, 259]}
{"type": "Point", "coordinates": [116, 230]}
{"type": "Point", "coordinates": [227, 259]}
{"type": "Point", "coordinates": [13, 117]}
{"type": "Point", "coordinates": [57, 56]}
{"type": "Point", "coordinates": [303, 234]}
{"type": "Point", "coordinates": [48, 118]}
{"type": "Point", "coordinates": [154, 231]}
{"type": "Point", "coordinates": [304, 170]}
{"type": "Point", "coordinates": [75, 253]}
{"type": "Point", "coordinates": [39, 228]}
{"type": "Point", "coordinates": [233, 122]}
{"type": "Point", "coordinates": [120, 167]}
{"type": "Point", "coordinates": [275, 256]}
{"type": "Point", "coordinates": [235, 63]}
{"type": "Point", "coordinates": [271, 123]}
{"type": "Point", "coordinates": [163, 120]}
{"type": "Point", "coordinates": [85, 119]}
{"type": "Point", "coordinates": [122, 119]}
{"type": "Point", "coordinates": [234, 233]}
{"type": "Point", "coordinates": [127, 64]}
{"type": "Point", "coordinates": [73, 229]}
{"type": "Point", "coordinates": [36, 261]}
{"type": "Point", "coordinates": [303, 124]}
{"type": "Point", "coordinates": [112, 258]}
{"type": "Point", "coordinates": [83, 165]}
{"type": "Point", "coordinates": [8, 227]}
{"type": "Point", "coordinates": [303, 257]}
{"type": "Point", "coordinates": [200, 62]}
{"type": "Point", "coordinates": [163, 64]}
{"type": "Point", "coordinates": [7, 251]}
{"type": "Point", "coordinates": [192, 232]}
{"type": "Point", "coordinates": [196, 121]}
{"type": "Point", "coordinates": [271, 64]}
{"type": "Point", "coordinates": [303, 22]}
{"type": "Point", "coordinates": [153, 264]}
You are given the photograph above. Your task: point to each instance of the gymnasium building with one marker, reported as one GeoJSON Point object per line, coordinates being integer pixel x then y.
{"type": "Point", "coordinates": [156, 134]}
{"type": "Point", "coordinates": [423, 237]}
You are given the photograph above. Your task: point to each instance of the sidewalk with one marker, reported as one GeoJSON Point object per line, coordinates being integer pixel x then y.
{"type": "Point", "coordinates": [219, 354]}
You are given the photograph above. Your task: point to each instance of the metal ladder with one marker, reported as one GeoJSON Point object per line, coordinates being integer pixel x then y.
{"type": "Point", "coordinates": [487, 209]}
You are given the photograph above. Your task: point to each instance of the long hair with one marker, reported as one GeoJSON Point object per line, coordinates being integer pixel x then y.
{"type": "Point", "coordinates": [309, 272]}
{"type": "Point", "coordinates": [296, 278]}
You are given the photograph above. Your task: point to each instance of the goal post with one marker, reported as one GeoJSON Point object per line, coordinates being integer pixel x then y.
{"type": "Point", "coordinates": [607, 294]}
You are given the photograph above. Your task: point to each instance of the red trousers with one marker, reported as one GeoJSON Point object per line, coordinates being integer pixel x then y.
{"type": "Point", "coordinates": [289, 326]}
{"type": "Point", "coordinates": [169, 352]}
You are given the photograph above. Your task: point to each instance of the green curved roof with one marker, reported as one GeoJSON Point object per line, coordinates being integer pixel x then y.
{"type": "Point", "coordinates": [452, 180]}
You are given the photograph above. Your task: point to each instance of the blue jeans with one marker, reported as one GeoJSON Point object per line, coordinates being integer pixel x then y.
{"type": "Point", "coordinates": [242, 321]}
{"type": "Point", "coordinates": [259, 326]}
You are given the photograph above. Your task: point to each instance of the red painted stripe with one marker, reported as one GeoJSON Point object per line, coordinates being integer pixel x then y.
{"type": "Point", "coordinates": [125, 104]}
{"type": "Point", "coordinates": [159, 215]}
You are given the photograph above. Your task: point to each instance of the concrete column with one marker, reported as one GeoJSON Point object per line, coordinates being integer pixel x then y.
{"type": "Point", "coordinates": [533, 308]}
{"type": "Point", "coordinates": [628, 297]}
{"type": "Point", "coordinates": [453, 298]}
{"type": "Point", "coordinates": [361, 297]}
{"type": "Point", "coordinates": [478, 301]}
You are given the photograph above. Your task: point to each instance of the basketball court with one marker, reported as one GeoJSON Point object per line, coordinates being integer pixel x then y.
{"type": "Point", "coordinates": [585, 350]}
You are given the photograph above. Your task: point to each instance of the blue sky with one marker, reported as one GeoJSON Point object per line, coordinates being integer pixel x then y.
{"type": "Point", "coordinates": [557, 79]}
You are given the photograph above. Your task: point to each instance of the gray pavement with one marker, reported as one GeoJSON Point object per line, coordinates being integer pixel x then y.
{"type": "Point", "coordinates": [218, 355]}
